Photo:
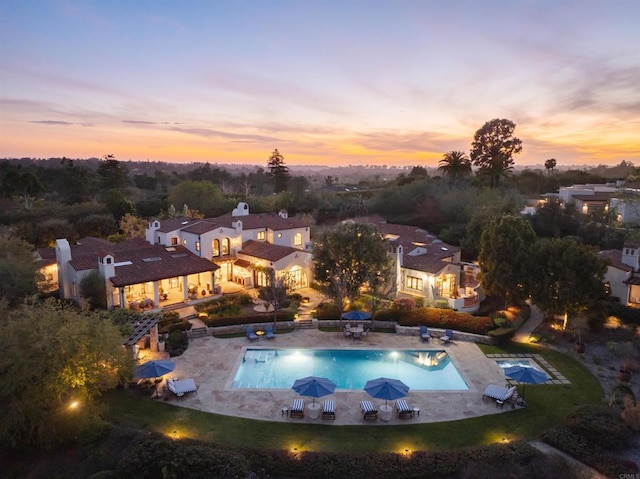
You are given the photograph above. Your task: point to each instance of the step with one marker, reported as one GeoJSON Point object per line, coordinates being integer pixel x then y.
{"type": "Point", "coordinates": [306, 324]}
{"type": "Point", "coordinates": [198, 332]}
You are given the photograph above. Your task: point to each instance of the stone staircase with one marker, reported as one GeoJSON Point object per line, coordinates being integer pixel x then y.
{"type": "Point", "coordinates": [306, 324]}
{"type": "Point", "coordinates": [198, 332]}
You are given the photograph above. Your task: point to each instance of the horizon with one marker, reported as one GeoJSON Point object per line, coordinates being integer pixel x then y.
{"type": "Point", "coordinates": [327, 83]}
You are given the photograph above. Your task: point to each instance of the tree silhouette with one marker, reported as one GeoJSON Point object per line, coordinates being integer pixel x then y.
{"type": "Point", "coordinates": [455, 164]}
{"type": "Point", "coordinates": [550, 164]}
{"type": "Point", "coordinates": [493, 149]}
{"type": "Point", "coordinates": [278, 171]}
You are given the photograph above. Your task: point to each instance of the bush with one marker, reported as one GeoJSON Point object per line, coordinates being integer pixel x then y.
{"type": "Point", "coordinates": [501, 335]}
{"type": "Point", "coordinates": [389, 314]}
{"type": "Point", "coordinates": [404, 304]}
{"type": "Point", "coordinates": [599, 425]}
{"type": "Point", "coordinates": [176, 343]}
{"type": "Point", "coordinates": [328, 311]}
{"type": "Point", "coordinates": [446, 319]}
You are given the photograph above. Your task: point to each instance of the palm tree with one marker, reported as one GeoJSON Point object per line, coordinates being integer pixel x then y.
{"type": "Point", "coordinates": [550, 164]}
{"type": "Point", "coordinates": [455, 164]}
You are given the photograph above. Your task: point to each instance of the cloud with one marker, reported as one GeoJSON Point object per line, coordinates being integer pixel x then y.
{"type": "Point", "coordinates": [210, 133]}
{"type": "Point", "coordinates": [142, 122]}
{"type": "Point", "coordinates": [52, 122]}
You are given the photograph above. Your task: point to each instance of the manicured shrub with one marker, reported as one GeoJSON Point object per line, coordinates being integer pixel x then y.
{"type": "Point", "coordinates": [328, 310]}
{"type": "Point", "coordinates": [446, 318]}
{"type": "Point", "coordinates": [404, 304]}
{"type": "Point", "coordinates": [600, 425]}
{"type": "Point", "coordinates": [388, 314]}
{"type": "Point", "coordinates": [501, 335]}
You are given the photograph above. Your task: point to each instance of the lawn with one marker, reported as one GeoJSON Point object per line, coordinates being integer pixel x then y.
{"type": "Point", "coordinates": [548, 407]}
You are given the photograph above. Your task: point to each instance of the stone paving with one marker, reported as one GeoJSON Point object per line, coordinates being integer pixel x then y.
{"type": "Point", "coordinates": [212, 362]}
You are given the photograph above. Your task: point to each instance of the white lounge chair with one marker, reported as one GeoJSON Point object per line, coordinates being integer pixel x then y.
{"type": "Point", "coordinates": [404, 410]}
{"type": "Point", "coordinates": [329, 410]}
{"type": "Point", "coordinates": [369, 411]}
{"type": "Point", "coordinates": [182, 386]}
{"type": "Point", "coordinates": [297, 408]}
{"type": "Point", "coordinates": [501, 395]}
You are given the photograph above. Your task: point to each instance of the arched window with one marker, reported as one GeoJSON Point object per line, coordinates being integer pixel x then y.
{"type": "Point", "coordinates": [297, 239]}
{"type": "Point", "coordinates": [225, 246]}
{"type": "Point", "coordinates": [216, 248]}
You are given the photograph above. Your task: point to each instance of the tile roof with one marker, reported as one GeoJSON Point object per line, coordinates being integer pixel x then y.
{"type": "Point", "coordinates": [156, 262]}
{"type": "Point", "coordinates": [272, 221]}
{"type": "Point", "coordinates": [614, 258]}
{"type": "Point", "coordinates": [424, 262]}
{"type": "Point", "coordinates": [268, 251]}
{"type": "Point", "coordinates": [172, 224]}
{"type": "Point", "coordinates": [148, 262]}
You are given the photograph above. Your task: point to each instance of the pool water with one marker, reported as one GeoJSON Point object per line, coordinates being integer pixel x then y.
{"type": "Point", "coordinates": [525, 363]}
{"type": "Point", "coordinates": [348, 368]}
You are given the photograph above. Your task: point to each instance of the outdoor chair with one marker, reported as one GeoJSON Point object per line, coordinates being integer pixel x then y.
{"type": "Point", "coordinates": [404, 410]}
{"type": "Point", "coordinates": [347, 330]}
{"type": "Point", "coordinates": [448, 336]}
{"type": "Point", "coordinates": [366, 332]}
{"type": "Point", "coordinates": [268, 329]}
{"type": "Point", "coordinates": [501, 395]}
{"type": "Point", "coordinates": [297, 408]}
{"type": "Point", "coordinates": [182, 387]}
{"type": "Point", "coordinates": [251, 334]}
{"type": "Point", "coordinates": [368, 410]}
{"type": "Point", "coordinates": [329, 410]}
{"type": "Point", "coordinates": [424, 333]}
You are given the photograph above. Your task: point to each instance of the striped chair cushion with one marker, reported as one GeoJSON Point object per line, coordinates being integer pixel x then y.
{"type": "Point", "coordinates": [402, 405]}
{"type": "Point", "coordinates": [367, 406]}
{"type": "Point", "coordinates": [329, 407]}
{"type": "Point", "coordinates": [297, 405]}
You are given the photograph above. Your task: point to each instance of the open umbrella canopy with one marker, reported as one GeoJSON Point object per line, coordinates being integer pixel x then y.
{"type": "Point", "coordinates": [314, 387]}
{"type": "Point", "coordinates": [356, 316]}
{"type": "Point", "coordinates": [387, 389]}
{"type": "Point", "coordinates": [154, 369]}
{"type": "Point", "coordinates": [526, 375]}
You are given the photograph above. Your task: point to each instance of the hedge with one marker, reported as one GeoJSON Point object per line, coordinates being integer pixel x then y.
{"type": "Point", "coordinates": [283, 315]}
{"type": "Point", "coordinates": [446, 319]}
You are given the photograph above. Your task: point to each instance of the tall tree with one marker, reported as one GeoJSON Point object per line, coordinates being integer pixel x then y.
{"type": "Point", "coordinates": [506, 248]}
{"type": "Point", "coordinates": [112, 174]}
{"type": "Point", "coordinates": [455, 164]}
{"type": "Point", "coordinates": [276, 290]}
{"type": "Point", "coordinates": [94, 291]}
{"type": "Point", "coordinates": [202, 196]}
{"type": "Point", "coordinates": [348, 257]}
{"type": "Point", "coordinates": [278, 171]}
{"type": "Point", "coordinates": [19, 274]}
{"type": "Point", "coordinates": [566, 276]}
{"type": "Point", "coordinates": [550, 164]}
{"type": "Point", "coordinates": [22, 183]}
{"type": "Point", "coordinates": [493, 149]}
{"type": "Point", "coordinates": [55, 360]}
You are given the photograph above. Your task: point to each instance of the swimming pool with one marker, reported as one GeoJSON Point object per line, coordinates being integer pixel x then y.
{"type": "Point", "coordinates": [526, 363]}
{"type": "Point", "coordinates": [348, 368]}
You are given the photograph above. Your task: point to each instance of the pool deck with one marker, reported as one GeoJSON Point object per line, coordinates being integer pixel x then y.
{"type": "Point", "coordinates": [212, 362]}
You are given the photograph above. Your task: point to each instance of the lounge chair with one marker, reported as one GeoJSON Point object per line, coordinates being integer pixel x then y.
{"type": "Point", "coordinates": [347, 330]}
{"type": "Point", "coordinates": [329, 410]}
{"type": "Point", "coordinates": [297, 408]}
{"type": "Point", "coordinates": [251, 334]}
{"type": "Point", "coordinates": [404, 410]}
{"type": "Point", "coordinates": [366, 332]}
{"type": "Point", "coordinates": [448, 336]}
{"type": "Point", "coordinates": [182, 386]}
{"type": "Point", "coordinates": [501, 395]}
{"type": "Point", "coordinates": [268, 329]}
{"type": "Point", "coordinates": [424, 333]}
{"type": "Point", "coordinates": [368, 410]}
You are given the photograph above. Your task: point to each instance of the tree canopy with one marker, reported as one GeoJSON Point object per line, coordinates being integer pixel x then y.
{"type": "Point", "coordinates": [506, 248]}
{"type": "Point", "coordinates": [455, 164]}
{"type": "Point", "coordinates": [493, 149]}
{"type": "Point", "coordinates": [278, 171]}
{"type": "Point", "coordinates": [348, 257]}
{"type": "Point", "coordinates": [19, 274]}
{"type": "Point", "coordinates": [54, 361]}
{"type": "Point", "coordinates": [566, 276]}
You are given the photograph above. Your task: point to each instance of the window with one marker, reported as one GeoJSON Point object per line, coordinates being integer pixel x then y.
{"type": "Point", "coordinates": [174, 283]}
{"type": "Point", "coordinates": [262, 235]}
{"type": "Point", "coordinates": [158, 240]}
{"type": "Point", "coordinates": [216, 248]}
{"type": "Point", "coordinates": [184, 242]}
{"type": "Point", "coordinates": [445, 286]}
{"type": "Point", "coordinates": [414, 283]}
{"type": "Point", "coordinates": [225, 246]}
{"type": "Point", "coordinates": [197, 245]}
{"type": "Point", "coordinates": [297, 239]}
{"type": "Point", "coordinates": [174, 241]}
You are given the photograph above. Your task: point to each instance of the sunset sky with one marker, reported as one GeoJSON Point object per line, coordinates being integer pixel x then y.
{"type": "Point", "coordinates": [326, 82]}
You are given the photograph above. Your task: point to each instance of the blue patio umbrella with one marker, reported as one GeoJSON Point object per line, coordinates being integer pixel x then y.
{"type": "Point", "coordinates": [314, 387]}
{"type": "Point", "coordinates": [387, 389]}
{"type": "Point", "coordinates": [526, 375]}
{"type": "Point", "coordinates": [154, 369]}
{"type": "Point", "coordinates": [356, 316]}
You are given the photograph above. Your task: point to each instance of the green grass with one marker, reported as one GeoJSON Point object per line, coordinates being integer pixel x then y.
{"type": "Point", "coordinates": [548, 407]}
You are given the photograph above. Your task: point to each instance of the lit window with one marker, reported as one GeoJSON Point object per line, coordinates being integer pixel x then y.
{"type": "Point", "coordinates": [197, 245]}
{"type": "Point", "coordinates": [262, 235]}
{"type": "Point", "coordinates": [414, 283]}
{"type": "Point", "coordinates": [216, 248]}
{"type": "Point", "coordinates": [184, 242]}
{"type": "Point", "coordinates": [174, 240]}
{"type": "Point", "coordinates": [297, 239]}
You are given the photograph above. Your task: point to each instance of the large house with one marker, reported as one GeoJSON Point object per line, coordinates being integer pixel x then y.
{"type": "Point", "coordinates": [182, 259]}
{"type": "Point", "coordinates": [425, 267]}
{"type": "Point", "coordinates": [623, 274]}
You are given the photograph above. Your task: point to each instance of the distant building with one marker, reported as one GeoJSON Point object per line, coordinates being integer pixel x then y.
{"type": "Point", "coordinates": [623, 274]}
